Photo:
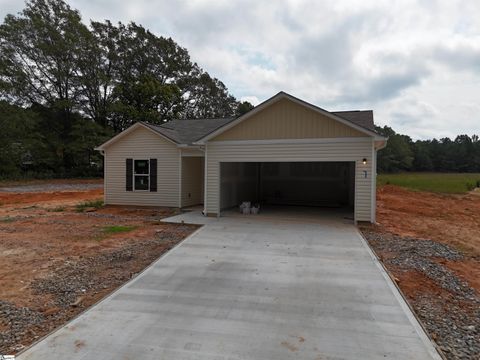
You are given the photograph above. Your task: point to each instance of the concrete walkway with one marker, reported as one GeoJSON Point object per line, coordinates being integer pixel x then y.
{"type": "Point", "coordinates": [251, 287]}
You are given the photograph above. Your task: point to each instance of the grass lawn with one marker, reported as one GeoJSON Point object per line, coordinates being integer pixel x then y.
{"type": "Point", "coordinates": [113, 229]}
{"type": "Point", "coordinates": [435, 182]}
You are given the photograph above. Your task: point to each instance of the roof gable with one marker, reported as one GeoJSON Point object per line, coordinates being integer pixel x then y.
{"type": "Point", "coordinates": [126, 132]}
{"type": "Point", "coordinates": [285, 119]}
{"type": "Point", "coordinates": [347, 118]}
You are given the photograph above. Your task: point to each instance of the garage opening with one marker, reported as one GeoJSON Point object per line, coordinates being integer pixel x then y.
{"type": "Point", "coordinates": [328, 185]}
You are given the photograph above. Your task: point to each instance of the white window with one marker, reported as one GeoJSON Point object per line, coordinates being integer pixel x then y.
{"type": "Point", "coordinates": [141, 174]}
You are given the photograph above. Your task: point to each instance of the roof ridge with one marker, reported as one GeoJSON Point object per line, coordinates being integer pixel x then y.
{"type": "Point", "coordinates": [339, 111]}
{"type": "Point", "coordinates": [216, 118]}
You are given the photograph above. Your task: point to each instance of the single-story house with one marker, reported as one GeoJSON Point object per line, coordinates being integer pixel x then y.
{"type": "Point", "coordinates": [284, 151]}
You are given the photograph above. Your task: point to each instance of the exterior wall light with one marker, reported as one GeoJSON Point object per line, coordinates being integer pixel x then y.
{"type": "Point", "coordinates": [364, 161]}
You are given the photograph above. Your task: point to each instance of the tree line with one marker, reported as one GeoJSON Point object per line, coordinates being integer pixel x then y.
{"type": "Point", "coordinates": [461, 154]}
{"type": "Point", "coordinates": [66, 87]}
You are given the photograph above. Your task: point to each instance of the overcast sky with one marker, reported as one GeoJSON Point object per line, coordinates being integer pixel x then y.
{"type": "Point", "coordinates": [415, 63]}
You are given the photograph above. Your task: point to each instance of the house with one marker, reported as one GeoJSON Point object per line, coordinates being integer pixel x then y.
{"type": "Point", "coordinates": [285, 151]}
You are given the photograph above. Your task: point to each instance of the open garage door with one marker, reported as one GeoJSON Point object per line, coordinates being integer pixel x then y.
{"type": "Point", "coordinates": [321, 184]}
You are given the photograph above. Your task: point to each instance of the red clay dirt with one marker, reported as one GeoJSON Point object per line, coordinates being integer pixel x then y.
{"type": "Point", "coordinates": [450, 219]}
{"type": "Point", "coordinates": [43, 237]}
{"type": "Point", "coordinates": [51, 199]}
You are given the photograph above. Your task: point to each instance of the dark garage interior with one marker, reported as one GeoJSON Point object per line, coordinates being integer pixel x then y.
{"type": "Point", "coordinates": [313, 184]}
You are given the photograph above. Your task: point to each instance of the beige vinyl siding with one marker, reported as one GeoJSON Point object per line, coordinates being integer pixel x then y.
{"type": "Point", "coordinates": [192, 181]}
{"type": "Point", "coordinates": [192, 152]}
{"type": "Point", "coordinates": [286, 119]}
{"type": "Point", "coordinates": [352, 149]}
{"type": "Point", "coordinates": [143, 144]}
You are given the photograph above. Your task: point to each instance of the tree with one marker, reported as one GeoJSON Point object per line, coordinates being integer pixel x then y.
{"type": "Point", "coordinates": [113, 74]}
{"type": "Point", "coordinates": [37, 59]}
{"type": "Point", "coordinates": [95, 71]}
{"type": "Point", "coordinates": [475, 160]}
{"type": "Point", "coordinates": [210, 99]}
{"type": "Point", "coordinates": [152, 77]}
{"type": "Point", "coordinates": [68, 85]}
{"type": "Point", "coordinates": [397, 155]}
{"type": "Point", "coordinates": [443, 158]}
{"type": "Point", "coordinates": [244, 107]}
{"type": "Point", "coordinates": [156, 81]}
{"type": "Point", "coordinates": [15, 139]}
{"type": "Point", "coordinates": [47, 147]}
{"type": "Point", "coordinates": [86, 136]}
{"type": "Point", "coordinates": [462, 153]}
{"type": "Point", "coordinates": [421, 156]}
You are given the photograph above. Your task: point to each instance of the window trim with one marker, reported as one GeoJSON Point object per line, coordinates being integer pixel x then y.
{"type": "Point", "coordinates": [135, 174]}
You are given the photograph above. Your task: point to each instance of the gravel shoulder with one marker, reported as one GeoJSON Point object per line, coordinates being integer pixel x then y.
{"type": "Point", "coordinates": [436, 268]}
{"type": "Point", "coordinates": [50, 186]}
{"type": "Point", "coordinates": [446, 304]}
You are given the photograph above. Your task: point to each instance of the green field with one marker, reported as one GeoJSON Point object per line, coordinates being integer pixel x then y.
{"type": "Point", "coordinates": [434, 182]}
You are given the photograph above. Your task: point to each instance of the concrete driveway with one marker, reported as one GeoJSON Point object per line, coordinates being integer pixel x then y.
{"type": "Point", "coordinates": [253, 287]}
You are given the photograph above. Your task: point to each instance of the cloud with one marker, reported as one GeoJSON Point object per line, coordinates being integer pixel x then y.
{"type": "Point", "coordinates": [397, 57]}
{"type": "Point", "coordinates": [460, 55]}
{"type": "Point", "coordinates": [251, 99]}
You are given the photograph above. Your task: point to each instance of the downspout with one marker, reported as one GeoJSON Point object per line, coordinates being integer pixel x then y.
{"type": "Point", "coordinates": [373, 203]}
{"type": "Point", "coordinates": [102, 152]}
{"type": "Point", "coordinates": [180, 179]}
{"type": "Point", "coordinates": [205, 165]}
{"type": "Point", "coordinates": [377, 145]}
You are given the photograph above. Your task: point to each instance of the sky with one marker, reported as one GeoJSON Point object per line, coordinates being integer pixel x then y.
{"type": "Point", "coordinates": [416, 64]}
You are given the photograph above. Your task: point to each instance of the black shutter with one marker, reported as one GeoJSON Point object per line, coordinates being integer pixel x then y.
{"type": "Point", "coordinates": [129, 175]}
{"type": "Point", "coordinates": [153, 174]}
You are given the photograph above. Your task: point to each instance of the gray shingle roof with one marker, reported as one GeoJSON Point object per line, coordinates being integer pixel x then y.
{"type": "Point", "coordinates": [189, 131]}
{"type": "Point", "coordinates": [363, 118]}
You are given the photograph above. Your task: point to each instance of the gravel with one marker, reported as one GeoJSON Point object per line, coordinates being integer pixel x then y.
{"type": "Point", "coordinates": [74, 283]}
{"type": "Point", "coordinates": [16, 322]}
{"type": "Point", "coordinates": [408, 246]}
{"type": "Point", "coordinates": [453, 323]}
{"type": "Point", "coordinates": [451, 315]}
{"type": "Point", "coordinates": [73, 278]}
{"type": "Point", "coordinates": [419, 254]}
{"type": "Point", "coordinates": [50, 187]}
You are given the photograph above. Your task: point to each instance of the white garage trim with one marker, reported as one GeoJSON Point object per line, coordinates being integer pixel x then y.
{"type": "Point", "coordinates": [293, 141]}
{"type": "Point", "coordinates": [352, 151]}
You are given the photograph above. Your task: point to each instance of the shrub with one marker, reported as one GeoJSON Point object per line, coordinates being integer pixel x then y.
{"type": "Point", "coordinates": [470, 186]}
{"type": "Point", "coordinates": [96, 204]}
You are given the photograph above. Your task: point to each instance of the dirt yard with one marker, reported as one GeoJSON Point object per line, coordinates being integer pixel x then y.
{"type": "Point", "coordinates": [430, 243]}
{"type": "Point", "coordinates": [58, 257]}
